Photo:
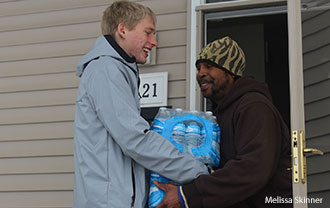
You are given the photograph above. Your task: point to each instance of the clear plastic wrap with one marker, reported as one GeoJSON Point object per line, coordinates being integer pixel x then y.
{"type": "Point", "coordinates": [192, 132]}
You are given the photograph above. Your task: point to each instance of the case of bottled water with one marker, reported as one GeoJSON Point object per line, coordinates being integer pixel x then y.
{"type": "Point", "coordinates": [192, 132]}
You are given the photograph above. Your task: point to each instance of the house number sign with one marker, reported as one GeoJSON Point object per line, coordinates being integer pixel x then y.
{"type": "Point", "coordinates": [153, 89]}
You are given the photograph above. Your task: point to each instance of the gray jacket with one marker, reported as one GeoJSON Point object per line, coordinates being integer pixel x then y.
{"type": "Point", "coordinates": [113, 148]}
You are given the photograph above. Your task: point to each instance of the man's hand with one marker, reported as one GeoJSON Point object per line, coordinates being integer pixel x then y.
{"type": "Point", "coordinates": [171, 199]}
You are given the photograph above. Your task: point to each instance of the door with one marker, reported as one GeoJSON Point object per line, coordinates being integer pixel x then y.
{"type": "Point", "coordinates": [264, 39]}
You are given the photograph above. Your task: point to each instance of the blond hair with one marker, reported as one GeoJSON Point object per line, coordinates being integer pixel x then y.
{"type": "Point", "coordinates": [129, 13]}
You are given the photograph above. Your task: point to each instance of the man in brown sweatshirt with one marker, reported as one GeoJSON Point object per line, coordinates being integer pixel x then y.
{"type": "Point", "coordinates": [255, 141]}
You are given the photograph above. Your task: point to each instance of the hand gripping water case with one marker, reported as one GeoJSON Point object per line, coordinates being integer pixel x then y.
{"type": "Point", "coordinates": [192, 132]}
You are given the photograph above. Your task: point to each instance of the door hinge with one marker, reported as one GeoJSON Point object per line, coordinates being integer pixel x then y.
{"type": "Point", "coordinates": [298, 156]}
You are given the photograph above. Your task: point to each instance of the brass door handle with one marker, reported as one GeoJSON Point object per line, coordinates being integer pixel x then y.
{"type": "Point", "coordinates": [298, 156]}
{"type": "Point", "coordinates": [313, 151]}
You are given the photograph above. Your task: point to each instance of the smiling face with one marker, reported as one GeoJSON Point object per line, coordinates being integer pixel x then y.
{"type": "Point", "coordinates": [138, 41]}
{"type": "Point", "coordinates": [214, 82]}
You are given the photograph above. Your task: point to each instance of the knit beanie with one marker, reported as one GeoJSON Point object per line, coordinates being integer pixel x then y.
{"type": "Point", "coordinates": [225, 54]}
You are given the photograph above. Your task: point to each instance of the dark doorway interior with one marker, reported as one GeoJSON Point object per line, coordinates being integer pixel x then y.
{"type": "Point", "coordinates": [264, 40]}
{"type": "Point", "coordinates": [150, 113]}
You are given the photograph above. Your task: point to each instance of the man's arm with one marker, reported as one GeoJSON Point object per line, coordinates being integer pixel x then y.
{"type": "Point", "coordinates": [258, 150]}
{"type": "Point", "coordinates": [119, 113]}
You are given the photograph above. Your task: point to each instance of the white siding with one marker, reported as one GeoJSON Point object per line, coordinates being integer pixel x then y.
{"type": "Point", "coordinates": [40, 44]}
{"type": "Point", "coordinates": [316, 48]}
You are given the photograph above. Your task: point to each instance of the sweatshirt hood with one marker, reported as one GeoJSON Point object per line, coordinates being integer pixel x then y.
{"type": "Point", "coordinates": [243, 86]}
{"type": "Point", "coordinates": [105, 46]}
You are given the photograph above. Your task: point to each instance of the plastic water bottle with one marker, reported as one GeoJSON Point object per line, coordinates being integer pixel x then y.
{"type": "Point", "coordinates": [178, 133]}
{"type": "Point", "coordinates": [203, 134]}
{"type": "Point", "coordinates": [216, 153]}
{"type": "Point", "coordinates": [216, 130]}
{"type": "Point", "coordinates": [162, 114]}
{"type": "Point", "coordinates": [216, 141]}
{"type": "Point", "coordinates": [209, 115]}
{"type": "Point", "coordinates": [190, 134]}
{"type": "Point", "coordinates": [178, 112]}
{"type": "Point", "coordinates": [159, 120]}
{"type": "Point", "coordinates": [193, 134]}
{"type": "Point", "coordinates": [194, 112]}
{"type": "Point", "coordinates": [156, 195]}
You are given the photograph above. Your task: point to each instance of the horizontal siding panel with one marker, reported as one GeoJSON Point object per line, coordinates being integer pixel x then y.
{"type": "Point", "coordinates": [177, 102]}
{"type": "Point", "coordinates": [317, 109]}
{"type": "Point", "coordinates": [318, 127]}
{"type": "Point", "coordinates": [37, 98]}
{"type": "Point", "coordinates": [317, 73]}
{"type": "Point", "coordinates": [175, 71]}
{"type": "Point", "coordinates": [49, 50]}
{"type": "Point", "coordinates": [37, 165]}
{"type": "Point", "coordinates": [177, 89]}
{"type": "Point", "coordinates": [316, 40]}
{"type": "Point", "coordinates": [57, 147]}
{"type": "Point", "coordinates": [317, 57]}
{"type": "Point", "coordinates": [172, 38]}
{"type": "Point", "coordinates": [47, 19]}
{"type": "Point", "coordinates": [172, 21]}
{"type": "Point", "coordinates": [50, 34]}
{"type": "Point", "coordinates": [318, 164]}
{"type": "Point", "coordinates": [39, 82]}
{"type": "Point", "coordinates": [324, 195]}
{"type": "Point", "coordinates": [171, 55]}
{"type": "Point", "coordinates": [65, 64]}
{"type": "Point", "coordinates": [39, 6]}
{"type": "Point", "coordinates": [322, 143]}
{"type": "Point", "coordinates": [57, 113]}
{"type": "Point", "coordinates": [318, 182]}
{"type": "Point", "coordinates": [306, 15]}
{"type": "Point", "coordinates": [45, 50]}
{"type": "Point", "coordinates": [37, 115]}
{"type": "Point", "coordinates": [37, 199]}
{"type": "Point", "coordinates": [79, 31]}
{"type": "Point", "coordinates": [42, 98]}
{"type": "Point", "coordinates": [316, 23]}
{"type": "Point", "coordinates": [77, 16]}
{"type": "Point", "coordinates": [39, 66]}
{"type": "Point", "coordinates": [316, 92]}
{"type": "Point", "coordinates": [165, 7]}
{"type": "Point", "coordinates": [37, 182]}
{"type": "Point", "coordinates": [36, 131]}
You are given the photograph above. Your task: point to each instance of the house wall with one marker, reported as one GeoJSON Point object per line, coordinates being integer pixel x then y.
{"type": "Point", "coordinates": [316, 57]}
{"type": "Point", "coordinates": [40, 44]}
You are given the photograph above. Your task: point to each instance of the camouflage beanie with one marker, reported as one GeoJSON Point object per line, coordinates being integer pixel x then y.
{"type": "Point", "coordinates": [224, 53]}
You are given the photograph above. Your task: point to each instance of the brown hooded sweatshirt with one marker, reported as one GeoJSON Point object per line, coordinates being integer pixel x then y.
{"type": "Point", "coordinates": [255, 154]}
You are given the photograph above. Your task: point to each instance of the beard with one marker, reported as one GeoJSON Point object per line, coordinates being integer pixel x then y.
{"type": "Point", "coordinates": [218, 91]}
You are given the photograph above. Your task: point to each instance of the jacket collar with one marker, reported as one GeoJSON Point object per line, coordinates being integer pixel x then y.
{"type": "Point", "coordinates": [119, 50]}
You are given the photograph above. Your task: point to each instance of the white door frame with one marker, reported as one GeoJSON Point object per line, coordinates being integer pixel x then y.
{"type": "Point", "coordinates": [297, 107]}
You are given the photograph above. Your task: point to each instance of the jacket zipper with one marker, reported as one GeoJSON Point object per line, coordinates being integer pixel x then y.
{"type": "Point", "coordinates": [133, 181]}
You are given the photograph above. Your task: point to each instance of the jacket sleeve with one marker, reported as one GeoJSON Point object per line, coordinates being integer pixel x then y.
{"type": "Point", "coordinates": [258, 143]}
{"type": "Point", "coordinates": [116, 107]}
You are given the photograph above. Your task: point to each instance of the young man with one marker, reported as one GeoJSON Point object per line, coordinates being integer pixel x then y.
{"type": "Point", "coordinates": [113, 147]}
{"type": "Point", "coordinates": [255, 142]}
